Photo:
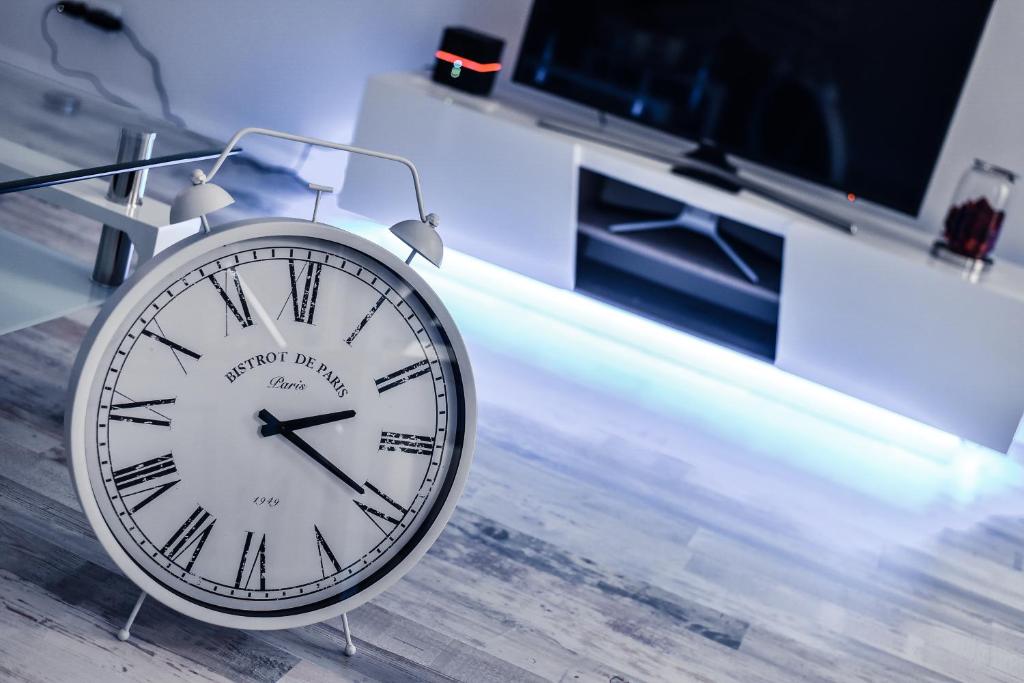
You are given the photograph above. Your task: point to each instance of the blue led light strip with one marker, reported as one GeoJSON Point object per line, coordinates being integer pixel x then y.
{"type": "Point", "coordinates": [760, 406]}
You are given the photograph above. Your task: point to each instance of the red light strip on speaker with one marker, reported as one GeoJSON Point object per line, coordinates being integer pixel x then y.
{"type": "Point", "coordinates": [468, 63]}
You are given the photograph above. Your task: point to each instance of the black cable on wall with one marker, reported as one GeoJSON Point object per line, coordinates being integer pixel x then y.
{"type": "Point", "coordinates": [105, 21]}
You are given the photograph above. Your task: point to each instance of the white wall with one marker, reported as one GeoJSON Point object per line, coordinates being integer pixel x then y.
{"type": "Point", "coordinates": [297, 66]}
{"type": "Point", "coordinates": [300, 66]}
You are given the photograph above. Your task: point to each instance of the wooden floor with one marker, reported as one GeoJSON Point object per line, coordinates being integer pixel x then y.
{"type": "Point", "coordinates": [600, 539]}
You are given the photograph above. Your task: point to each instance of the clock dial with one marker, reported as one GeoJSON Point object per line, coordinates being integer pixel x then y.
{"type": "Point", "coordinates": [274, 426]}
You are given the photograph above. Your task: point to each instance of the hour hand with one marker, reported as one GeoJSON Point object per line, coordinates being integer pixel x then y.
{"type": "Point", "coordinates": [294, 439]}
{"type": "Point", "coordinates": [273, 428]}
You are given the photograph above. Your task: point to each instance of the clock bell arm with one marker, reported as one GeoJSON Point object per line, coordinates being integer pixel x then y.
{"type": "Point", "coordinates": [205, 197]}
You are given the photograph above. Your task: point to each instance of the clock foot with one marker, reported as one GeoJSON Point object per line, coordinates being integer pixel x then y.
{"type": "Point", "coordinates": [126, 632]}
{"type": "Point", "coordinates": [350, 649]}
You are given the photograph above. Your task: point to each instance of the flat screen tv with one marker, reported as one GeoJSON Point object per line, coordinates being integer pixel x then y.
{"type": "Point", "coordinates": [855, 95]}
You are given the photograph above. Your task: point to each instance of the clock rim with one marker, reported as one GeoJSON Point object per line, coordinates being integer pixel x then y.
{"type": "Point", "coordinates": [101, 334]}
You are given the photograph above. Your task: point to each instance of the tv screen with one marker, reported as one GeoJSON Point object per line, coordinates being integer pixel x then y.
{"type": "Point", "coordinates": [855, 95]}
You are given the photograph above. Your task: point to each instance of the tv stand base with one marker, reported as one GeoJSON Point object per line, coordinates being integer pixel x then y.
{"type": "Point", "coordinates": [695, 220]}
{"type": "Point", "coordinates": [718, 180]}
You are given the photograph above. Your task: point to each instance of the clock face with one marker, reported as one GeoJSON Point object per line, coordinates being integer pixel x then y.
{"type": "Point", "coordinates": [275, 425]}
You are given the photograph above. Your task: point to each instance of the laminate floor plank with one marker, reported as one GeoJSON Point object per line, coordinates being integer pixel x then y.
{"type": "Point", "coordinates": [43, 639]}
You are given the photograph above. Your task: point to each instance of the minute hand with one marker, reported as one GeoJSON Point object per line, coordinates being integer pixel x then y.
{"type": "Point", "coordinates": [272, 428]}
{"type": "Point", "coordinates": [299, 443]}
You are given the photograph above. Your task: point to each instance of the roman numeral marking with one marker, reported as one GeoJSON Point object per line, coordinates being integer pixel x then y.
{"type": "Point", "coordinates": [373, 514]}
{"type": "Point", "coordinates": [145, 477]}
{"type": "Point", "coordinates": [323, 550]}
{"type": "Point", "coordinates": [154, 468]}
{"type": "Point", "coordinates": [383, 496]}
{"type": "Point", "coordinates": [304, 310]}
{"type": "Point", "coordinates": [408, 443]}
{"type": "Point", "coordinates": [140, 420]}
{"type": "Point", "coordinates": [400, 377]}
{"type": "Point", "coordinates": [366, 319]}
{"type": "Point", "coordinates": [192, 534]}
{"type": "Point", "coordinates": [141, 404]}
{"type": "Point", "coordinates": [240, 308]}
{"type": "Point", "coordinates": [175, 347]}
{"type": "Point", "coordinates": [252, 559]}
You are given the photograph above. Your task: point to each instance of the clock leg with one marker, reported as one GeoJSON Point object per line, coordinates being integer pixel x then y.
{"type": "Point", "coordinates": [350, 649]}
{"type": "Point", "coordinates": [126, 632]}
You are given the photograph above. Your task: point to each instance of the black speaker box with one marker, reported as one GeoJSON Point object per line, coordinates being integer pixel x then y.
{"type": "Point", "coordinates": [468, 60]}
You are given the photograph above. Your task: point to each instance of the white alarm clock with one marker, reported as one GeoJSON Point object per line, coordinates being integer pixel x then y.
{"type": "Point", "coordinates": [271, 422]}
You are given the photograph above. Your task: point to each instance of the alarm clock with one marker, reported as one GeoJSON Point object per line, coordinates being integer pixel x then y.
{"type": "Point", "coordinates": [269, 423]}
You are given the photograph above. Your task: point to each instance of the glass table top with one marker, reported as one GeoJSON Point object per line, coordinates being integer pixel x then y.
{"type": "Point", "coordinates": [49, 127]}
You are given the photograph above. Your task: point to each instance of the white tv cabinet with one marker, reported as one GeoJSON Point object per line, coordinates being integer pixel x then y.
{"type": "Point", "coordinates": [871, 314]}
